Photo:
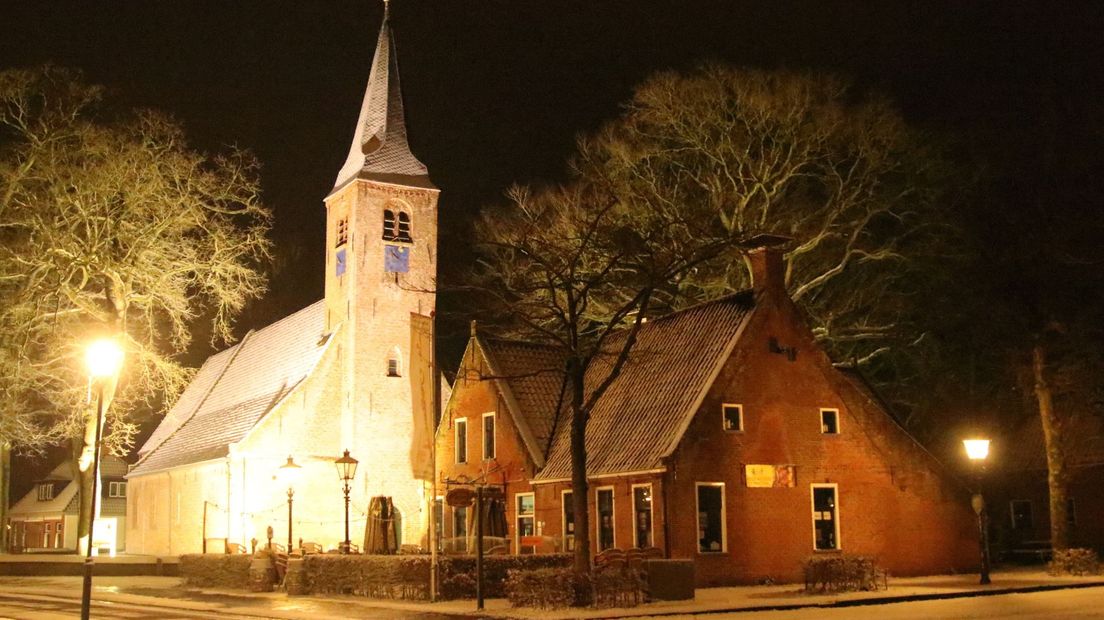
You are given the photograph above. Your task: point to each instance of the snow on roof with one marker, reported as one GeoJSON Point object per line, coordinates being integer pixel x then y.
{"type": "Point", "coordinates": [234, 389]}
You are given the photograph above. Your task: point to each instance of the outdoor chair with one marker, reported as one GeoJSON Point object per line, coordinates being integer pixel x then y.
{"type": "Point", "coordinates": [308, 548]}
{"type": "Point", "coordinates": [234, 548]}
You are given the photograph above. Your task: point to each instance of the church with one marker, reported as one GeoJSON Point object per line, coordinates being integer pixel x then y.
{"type": "Point", "coordinates": [352, 371]}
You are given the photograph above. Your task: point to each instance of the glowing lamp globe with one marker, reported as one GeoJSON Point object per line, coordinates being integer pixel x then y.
{"type": "Point", "coordinates": [103, 358]}
{"type": "Point", "coordinates": [976, 449]}
{"type": "Point", "coordinates": [289, 472]}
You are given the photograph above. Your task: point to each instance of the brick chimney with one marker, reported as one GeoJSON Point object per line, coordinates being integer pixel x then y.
{"type": "Point", "coordinates": [768, 265]}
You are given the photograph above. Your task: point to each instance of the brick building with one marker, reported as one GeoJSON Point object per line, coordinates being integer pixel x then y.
{"type": "Point", "coordinates": [1020, 497]}
{"type": "Point", "coordinates": [46, 517]}
{"type": "Point", "coordinates": [349, 372]}
{"type": "Point", "coordinates": [730, 438]}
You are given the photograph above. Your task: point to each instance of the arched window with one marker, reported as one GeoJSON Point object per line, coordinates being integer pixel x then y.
{"type": "Point", "coordinates": [389, 231]}
{"type": "Point", "coordinates": [394, 363]}
{"type": "Point", "coordinates": [404, 227]}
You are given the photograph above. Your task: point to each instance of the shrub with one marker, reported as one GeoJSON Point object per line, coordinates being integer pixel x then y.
{"type": "Point", "coordinates": [1074, 562]}
{"type": "Point", "coordinates": [843, 573]}
{"type": "Point", "coordinates": [544, 588]}
{"type": "Point", "coordinates": [215, 570]}
{"type": "Point", "coordinates": [407, 576]}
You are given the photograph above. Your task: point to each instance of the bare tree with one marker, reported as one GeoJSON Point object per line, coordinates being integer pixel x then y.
{"type": "Point", "coordinates": [110, 225]}
{"type": "Point", "coordinates": [807, 156]}
{"type": "Point", "coordinates": [578, 269]}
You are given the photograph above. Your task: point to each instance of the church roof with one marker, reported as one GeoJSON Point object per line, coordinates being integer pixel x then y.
{"type": "Point", "coordinates": [235, 389]}
{"type": "Point", "coordinates": [379, 149]}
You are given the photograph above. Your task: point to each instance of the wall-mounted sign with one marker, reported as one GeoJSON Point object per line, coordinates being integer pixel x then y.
{"type": "Point", "coordinates": [460, 496]}
{"type": "Point", "coordinates": [769, 476]}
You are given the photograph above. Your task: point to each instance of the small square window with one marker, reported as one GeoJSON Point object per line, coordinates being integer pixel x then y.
{"type": "Point", "coordinates": [733, 417]}
{"type": "Point", "coordinates": [392, 367]}
{"type": "Point", "coordinates": [829, 421]}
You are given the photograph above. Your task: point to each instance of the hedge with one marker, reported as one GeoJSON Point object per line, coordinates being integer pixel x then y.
{"type": "Point", "coordinates": [215, 570]}
{"type": "Point", "coordinates": [843, 573]}
{"type": "Point", "coordinates": [1075, 562]}
{"type": "Point", "coordinates": [407, 576]}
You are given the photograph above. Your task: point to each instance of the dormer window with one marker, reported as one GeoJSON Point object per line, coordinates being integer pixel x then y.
{"type": "Point", "coordinates": [342, 236]}
{"type": "Point", "coordinates": [45, 491]}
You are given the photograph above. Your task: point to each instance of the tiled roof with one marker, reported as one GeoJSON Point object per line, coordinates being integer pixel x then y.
{"type": "Point", "coordinates": [533, 374]}
{"type": "Point", "coordinates": [643, 415]}
{"type": "Point", "coordinates": [1024, 448]}
{"type": "Point", "coordinates": [235, 389]}
{"type": "Point", "coordinates": [379, 145]}
{"type": "Point", "coordinates": [65, 492]}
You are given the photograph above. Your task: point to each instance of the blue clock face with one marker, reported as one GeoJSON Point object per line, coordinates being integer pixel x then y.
{"type": "Point", "coordinates": [340, 265]}
{"type": "Point", "coordinates": [396, 258]}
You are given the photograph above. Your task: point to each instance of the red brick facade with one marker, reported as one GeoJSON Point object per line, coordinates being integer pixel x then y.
{"type": "Point", "coordinates": [893, 500]}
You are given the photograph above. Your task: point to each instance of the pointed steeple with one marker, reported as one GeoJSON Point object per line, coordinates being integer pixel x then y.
{"type": "Point", "coordinates": [379, 149]}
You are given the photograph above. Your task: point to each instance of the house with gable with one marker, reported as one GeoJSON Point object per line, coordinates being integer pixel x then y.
{"type": "Point", "coordinates": [45, 519]}
{"type": "Point", "coordinates": [349, 372]}
{"type": "Point", "coordinates": [729, 438]}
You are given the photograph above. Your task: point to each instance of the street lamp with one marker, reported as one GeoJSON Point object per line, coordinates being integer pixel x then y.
{"type": "Point", "coordinates": [346, 471]}
{"type": "Point", "coordinates": [289, 473]}
{"type": "Point", "coordinates": [103, 358]}
{"type": "Point", "coordinates": [977, 450]}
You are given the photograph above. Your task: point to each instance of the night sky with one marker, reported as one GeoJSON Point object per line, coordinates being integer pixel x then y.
{"type": "Point", "coordinates": [496, 91]}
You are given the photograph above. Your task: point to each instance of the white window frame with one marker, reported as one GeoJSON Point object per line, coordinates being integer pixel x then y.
{"type": "Point", "coordinates": [517, 521]}
{"type": "Point", "coordinates": [724, 517]}
{"type": "Point", "coordinates": [598, 517]}
{"type": "Point", "coordinates": [45, 491]}
{"type": "Point", "coordinates": [724, 418]}
{"type": "Point", "coordinates": [838, 515]}
{"type": "Point", "coordinates": [456, 440]}
{"type": "Point", "coordinates": [483, 435]}
{"type": "Point", "coordinates": [820, 420]}
{"type": "Point", "coordinates": [563, 519]}
{"type": "Point", "coordinates": [116, 489]}
{"type": "Point", "coordinates": [651, 512]}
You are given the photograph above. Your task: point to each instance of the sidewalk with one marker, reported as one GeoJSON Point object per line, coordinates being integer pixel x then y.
{"type": "Point", "coordinates": [167, 591]}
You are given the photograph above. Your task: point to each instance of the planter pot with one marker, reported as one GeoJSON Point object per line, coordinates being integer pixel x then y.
{"type": "Point", "coordinates": [262, 575]}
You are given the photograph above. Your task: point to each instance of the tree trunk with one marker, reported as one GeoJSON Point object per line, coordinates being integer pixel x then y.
{"type": "Point", "coordinates": [83, 451]}
{"type": "Point", "coordinates": [5, 492]}
{"type": "Point", "coordinates": [583, 595]}
{"type": "Point", "coordinates": [1057, 468]}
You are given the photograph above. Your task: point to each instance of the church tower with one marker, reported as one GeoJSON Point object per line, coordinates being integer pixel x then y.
{"type": "Point", "coordinates": [381, 267]}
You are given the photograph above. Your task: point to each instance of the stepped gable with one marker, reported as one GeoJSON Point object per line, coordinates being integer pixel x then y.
{"type": "Point", "coordinates": [235, 389]}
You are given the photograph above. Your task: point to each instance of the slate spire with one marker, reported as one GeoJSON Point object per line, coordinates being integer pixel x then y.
{"type": "Point", "coordinates": [379, 149]}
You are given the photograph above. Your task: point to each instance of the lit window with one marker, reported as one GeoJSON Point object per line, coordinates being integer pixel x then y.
{"type": "Point", "coordinates": [526, 521]}
{"type": "Point", "coordinates": [642, 515]}
{"type": "Point", "coordinates": [462, 440]}
{"type": "Point", "coordinates": [342, 236]}
{"type": "Point", "coordinates": [606, 534]}
{"type": "Point", "coordinates": [711, 518]}
{"type": "Point", "coordinates": [733, 417]}
{"type": "Point", "coordinates": [829, 421]}
{"type": "Point", "coordinates": [389, 231]}
{"type": "Point", "coordinates": [488, 436]}
{"type": "Point", "coordinates": [46, 492]}
{"type": "Point", "coordinates": [116, 489]}
{"type": "Point", "coordinates": [568, 521]}
{"type": "Point", "coordinates": [825, 517]}
{"type": "Point", "coordinates": [404, 227]}
{"type": "Point", "coordinates": [1022, 517]}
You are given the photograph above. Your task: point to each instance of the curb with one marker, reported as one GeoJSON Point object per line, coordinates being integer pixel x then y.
{"type": "Point", "coordinates": [881, 600]}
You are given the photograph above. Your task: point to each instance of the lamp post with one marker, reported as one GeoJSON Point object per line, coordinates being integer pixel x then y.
{"type": "Point", "coordinates": [103, 358]}
{"type": "Point", "coordinates": [289, 473]}
{"type": "Point", "coordinates": [977, 450]}
{"type": "Point", "coordinates": [346, 471]}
